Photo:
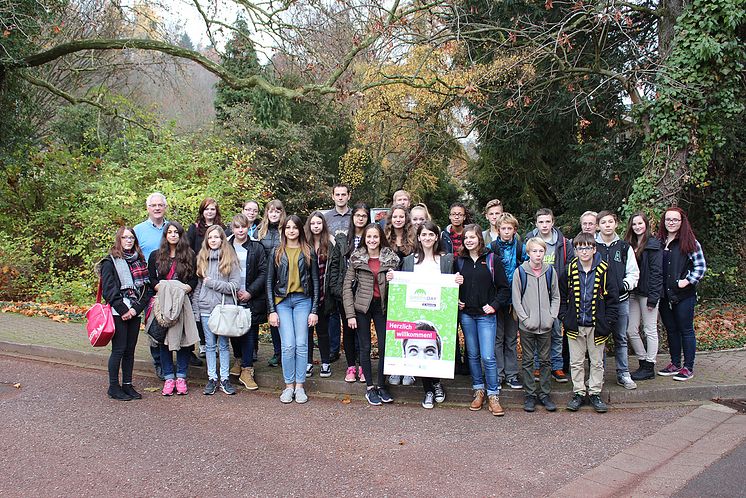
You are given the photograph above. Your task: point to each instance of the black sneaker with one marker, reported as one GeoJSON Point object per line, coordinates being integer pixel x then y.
{"type": "Point", "coordinates": [333, 357]}
{"type": "Point", "coordinates": [546, 400]}
{"type": "Point", "coordinates": [326, 370]}
{"type": "Point", "coordinates": [227, 387]}
{"type": "Point", "coordinates": [194, 361]}
{"type": "Point", "coordinates": [576, 402]}
{"type": "Point", "coordinates": [372, 396]}
{"type": "Point", "coordinates": [529, 403]}
{"type": "Point", "coordinates": [384, 395]}
{"type": "Point", "coordinates": [159, 372]}
{"type": "Point", "coordinates": [116, 392]}
{"type": "Point", "coordinates": [129, 390]}
{"type": "Point", "coordinates": [428, 401]}
{"type": "Point", "coordinates": [439, 392]}
{"type": "Point", "coordinates": [309, 369]}
{"type": "Point", "coordinates": [598, 404]}
{"type": "Point", "coordinates": [211, 387]}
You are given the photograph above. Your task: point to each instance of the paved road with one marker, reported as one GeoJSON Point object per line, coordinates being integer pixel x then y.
{"type": "Point", "coordinates": [62, 436]}
{"type": "Point", "coordinates": [725, 478]}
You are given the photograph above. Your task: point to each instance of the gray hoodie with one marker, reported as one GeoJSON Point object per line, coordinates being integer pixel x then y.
{"type": "Point", "coordinates": [537, 310]}
{"type": "Point", "coordinates": [209, 294]}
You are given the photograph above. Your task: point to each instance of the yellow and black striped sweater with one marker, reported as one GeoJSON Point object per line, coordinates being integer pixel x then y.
{"type": "Point", "coordinates": [604, 303]}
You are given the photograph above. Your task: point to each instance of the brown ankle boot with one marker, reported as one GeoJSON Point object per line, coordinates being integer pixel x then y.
{"type": "Point", "coordinates": [493, 403]}
{"type": "Point", "coordinates": [478, 401]}
{"type": "Point", "coordinates": [247, 378]}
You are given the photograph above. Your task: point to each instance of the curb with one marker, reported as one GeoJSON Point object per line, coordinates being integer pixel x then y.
{"type": "Point", "coordinates": [336, 386]}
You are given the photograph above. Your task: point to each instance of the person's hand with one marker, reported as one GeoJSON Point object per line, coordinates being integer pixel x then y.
{"type": "Point", "coordinates": [129, 315]}
{"type": "Point", "coordinates": [459, 278]}
{"type": "Point", "coordinates": [650, 309]}
{"type": "Point", "coordinates": [274, 319]}
{"type": "Point", "coordinates": [389, 275]}
{"type": "Point", "coordinates": [313, 319]}
{"type": "Point", "coordinates": [683, 283]}
{"type": "Point", "coordinates": [243, 295]}
{"type": "Point", "coordinates": [488, 309]}
{"type": "Point", "coordinates": [461, 305]}
{"type": "Point", "coordinates": [187, 288]}
{"type": "Point", "coordinates": [352, 323]}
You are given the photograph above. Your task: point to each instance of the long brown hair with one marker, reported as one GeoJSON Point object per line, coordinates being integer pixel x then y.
{"type": "Point", "coordinates": [687, 240]}
{"type": "Point", "coordinates": [117, 250]}
{"type": "Point", "coordinates": [418, 250]}
{"type": "Point", "coordinates": [408, 236]}
{"type": "Point", "coordinates": [201, 222]}
{"type": "Point", "coordinates": [227, 254]}
{"type": "Point", "coordinates": [184, 254]}
{"type": "Point", "coordinates": [324, 240]}
{"type": "Point", "coordinates": [631, 237]}
{"type": "Point", "coordinates": [464, 252]}
{"type": "Point", "coordinates": [304, 247]}
{"type": "Point", "coordinates": [264, 225]}
{"type": "Point", "coordinates": [382, 241]}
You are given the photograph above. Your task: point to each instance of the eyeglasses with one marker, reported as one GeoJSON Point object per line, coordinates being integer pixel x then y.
{"type": "Point", "coordinates": [584, 248]}
{"type": "Point", "coordinates": [457, 215]}
{"type": "Point", "coordinates": [673, 220]}
{"type": "Point", "coordinates": [361, 215]}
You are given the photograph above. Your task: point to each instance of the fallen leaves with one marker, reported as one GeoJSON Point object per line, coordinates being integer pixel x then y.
{"type": "Point", "coordinates": [61, 313]}
{"type": "Point", "coordinates": [346, 400]}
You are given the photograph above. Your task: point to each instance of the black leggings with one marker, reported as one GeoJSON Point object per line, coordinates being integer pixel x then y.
{"type": "Point", "coordinates": [376, 314]}
{"type": "Point", "coordinates": [322, 332]}
{"type": "Point", "coordinates": [428, 383]}
{"type": "Point", "coordinates": [123, 349]}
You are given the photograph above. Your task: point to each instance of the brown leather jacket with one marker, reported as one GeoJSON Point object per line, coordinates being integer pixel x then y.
{"type": "Point", "coordinates": [360, 272]}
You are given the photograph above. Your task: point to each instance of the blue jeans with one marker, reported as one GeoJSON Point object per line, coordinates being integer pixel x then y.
{"type": "Point", "coordinates": [182, 362]}
{"type": "Point", "coordinates": [620, 339]}
{"type": "Point", "coordinates": [293, 312]}
{"type": "Point", "coordinates": [223, 344]}
{"type": "Point", "coordinates": [555, 350]}
{"type": "Point", "coordinates": [679, 322]}
{"type": "Point", "coordinates": [248, 342]}
{"type": "Point", "coordinates": [479, 334]}
{"type": "Point", "coordinates": [335, 331]}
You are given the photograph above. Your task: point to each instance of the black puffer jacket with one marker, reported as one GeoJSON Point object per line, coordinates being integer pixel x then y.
{"type": "Point", "coordinates": [277, 279]}
{"type": "Point", "coordinates": [650, 284]}
{"type": "Point", "coordinates": [256, 279]}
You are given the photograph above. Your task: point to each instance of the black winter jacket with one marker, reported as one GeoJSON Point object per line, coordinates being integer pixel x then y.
{"type": "Point", "coordinates": [479, 287]}
{"type": "Point", "coordinates": [256, 279]}
{"type": "Point", "coordinates": [112, 293]}
{"type": "Point", "coordinates": [650, 284]}
{"type": "Point", "coordinates": [277, 279]}
{"type": "Point", "coordinates": [605, 296]}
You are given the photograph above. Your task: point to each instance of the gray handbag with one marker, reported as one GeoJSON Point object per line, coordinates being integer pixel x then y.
{"type": "Point", "coordinates": [230, 320]}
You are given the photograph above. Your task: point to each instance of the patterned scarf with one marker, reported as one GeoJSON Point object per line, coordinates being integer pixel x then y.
{"type": "Point", "coordinates": [139, 271]}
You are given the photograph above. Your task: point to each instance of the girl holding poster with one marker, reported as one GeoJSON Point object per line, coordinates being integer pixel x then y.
{"type": "Point", "coordinates": [484, 290]}
{"type": "Point", "coordinates": [428, 258]}
{"type": "Point", "coordinates": [364, 298]}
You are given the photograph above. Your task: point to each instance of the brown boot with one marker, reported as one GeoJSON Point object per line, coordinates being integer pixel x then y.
{"type": "Point", "coordinates": [247, 378]}
{"type": "Point", "coordinates": [236, 368]}
{"type": "Point", "coordinates": [478, 401]}
{"type": "Point", "coordinates": [494, 406]}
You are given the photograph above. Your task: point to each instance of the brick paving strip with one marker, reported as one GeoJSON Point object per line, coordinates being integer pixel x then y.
{"type": "Point", "coordinates": [664, 462]}
{"type": "Point", "coordinates": [717, 374]}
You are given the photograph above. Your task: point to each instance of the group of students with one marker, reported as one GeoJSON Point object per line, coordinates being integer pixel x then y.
{"type": "Point", "coordinates": [332, 273]}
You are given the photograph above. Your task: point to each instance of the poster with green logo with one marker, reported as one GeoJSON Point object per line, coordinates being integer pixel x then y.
{"type": "Point", "coordinates": [422, 313]}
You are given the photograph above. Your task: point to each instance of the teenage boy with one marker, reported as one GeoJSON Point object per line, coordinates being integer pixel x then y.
{"type": "Point", "coordinates": [338, 218]}
{"type": "Point", "coordinates": [623, 268]}
{"type": "Point", "coordinates": [492, 211]}
{"type": "Point", "coordinates": [512, 252]}
{"type": "Point", "coordinates": [588, 222]}
{"type": "Point", "coordinates": [536, 301]}
{"type": "Point", "coordinates": [338, 221]}
{"type": "Point", "coordinates": [452, 237]}
{"type": "Point", "coordinates": [589, 309]}
{"type": "Point", "coordinates": [558, 254]}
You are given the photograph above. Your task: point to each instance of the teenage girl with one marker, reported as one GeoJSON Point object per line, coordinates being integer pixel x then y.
{"type": "Point", "coordinates": [317, 234]}
{"type": "Point", "coordinates": [269, 235]}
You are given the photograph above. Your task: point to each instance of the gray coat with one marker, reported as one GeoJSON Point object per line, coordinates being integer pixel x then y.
{"type": "Point", "coordinates": [209, 294]}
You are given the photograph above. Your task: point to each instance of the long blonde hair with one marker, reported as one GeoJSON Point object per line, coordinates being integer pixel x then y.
{"type": "Point", "coordinates": [227, 254]}
{"type": "Point", "coordinates": [264, 225]}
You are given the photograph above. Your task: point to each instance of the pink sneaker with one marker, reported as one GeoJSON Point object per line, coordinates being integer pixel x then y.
{"type": "Point", "coordinates": [360, 375]}
{"type": "Point", "coordinates": [168, 387]}
{"type": "Point", "coordinates": [181, 386]}
{"type": "Point", "coordinates": [350, 374]}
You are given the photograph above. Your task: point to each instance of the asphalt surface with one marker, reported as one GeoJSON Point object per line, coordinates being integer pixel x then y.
{"type": "Point", "coordinates": [63, 437]}
{"type": "Point", "coordinates": [725, 478]}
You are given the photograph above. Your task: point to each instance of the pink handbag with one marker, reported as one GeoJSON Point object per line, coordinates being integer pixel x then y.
{"type": "Point", "coordinates": [99, 322]}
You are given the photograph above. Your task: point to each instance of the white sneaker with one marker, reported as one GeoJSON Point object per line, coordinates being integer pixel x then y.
{"type": "Point", "coordinates": [394, 380]}
{"type": "Point", "coordinates": [287, 395]}
{"type": "Point", "coordinates": [626, 381]}
{"type": "Point", "coordinates": [300, 395]}
{"type": "Point", "coordinates": [408, 380]}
